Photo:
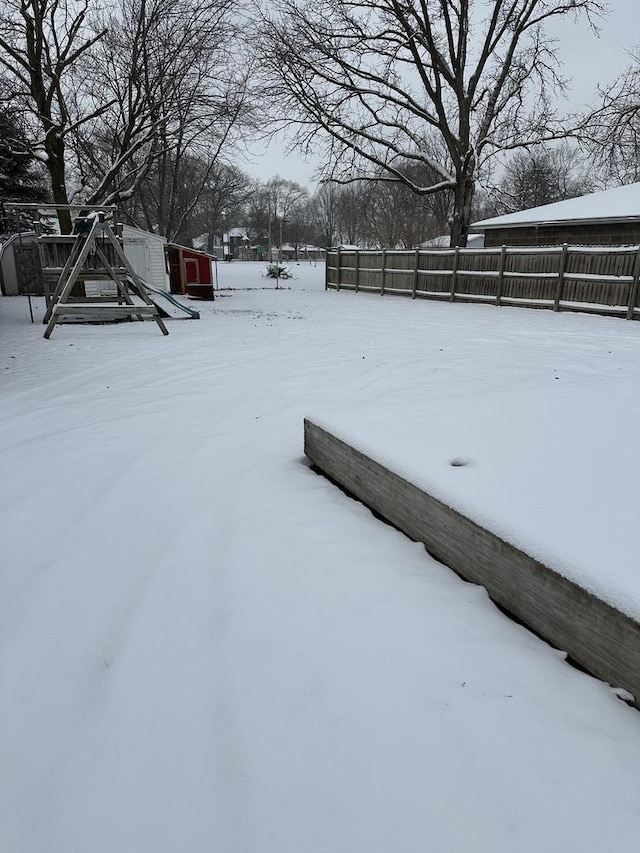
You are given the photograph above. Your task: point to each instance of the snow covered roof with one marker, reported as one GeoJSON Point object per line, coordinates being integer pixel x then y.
{"type": "Point", "coordinates": [620, 204]}
{"type": "Point", "coordinates": [474, 241]}
{"type": "Point", "coordinates": [442, 241]}
{"type": "Point", "coordinates": [133, 232]}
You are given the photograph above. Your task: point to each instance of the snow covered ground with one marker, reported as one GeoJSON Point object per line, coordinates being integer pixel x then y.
{"type": "Point", "coordinates": [548, 469]}
{"type": "Point", "coordinates": [204, 646]}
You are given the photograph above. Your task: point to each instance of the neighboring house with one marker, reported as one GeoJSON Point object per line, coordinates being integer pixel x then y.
{"type": "Point", "coordinates": [474, 241]}
{"type": "Point", "coordinates": [258, 252]}
{"type": "Point", "coordinates": [211, 244]}
{"type": "Point", "coordinates": [235, 243]}
{"type": "Point", "coordinates": [301, 253]}
{"type": "Point", "coordinates": [605, 218]}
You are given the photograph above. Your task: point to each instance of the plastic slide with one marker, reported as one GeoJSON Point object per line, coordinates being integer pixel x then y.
{"type": "Point", "coordinates": [170, 298]}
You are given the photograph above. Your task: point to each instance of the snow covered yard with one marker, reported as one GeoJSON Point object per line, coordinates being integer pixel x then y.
{"type": "Point", "coordinates": [206, 647]}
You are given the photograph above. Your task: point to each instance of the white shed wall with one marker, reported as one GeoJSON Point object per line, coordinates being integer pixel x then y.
{"type": "Point", "coordinates": [145, 252]}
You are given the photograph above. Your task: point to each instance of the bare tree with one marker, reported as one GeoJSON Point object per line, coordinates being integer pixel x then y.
{"type": "Point", "coordinates": [221, 204]}
{"type": "Point", "coordinates": [353, 203]}
{"type": "Point", "coordinates": [283, 197]}
{"type": "Point", "coordinates": [373, 80]}
{"type": "Point", "coordinates": [612, 132]}
{"type": "Point", "coordinates": [323, 210]}
{"type": "Point", "coordinates": [177, 96]}
{"type": "Point", "coordinates": [41, 42]}
{"type": "Point", "coordinates": [255, 213]}
{"type": "Point", "coordinates": [542, 175]}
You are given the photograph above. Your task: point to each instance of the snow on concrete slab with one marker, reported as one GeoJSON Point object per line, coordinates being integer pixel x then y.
{"type": "Point", "coordinates": [204, 646]}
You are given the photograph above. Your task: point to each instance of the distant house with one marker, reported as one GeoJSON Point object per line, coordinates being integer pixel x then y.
{"type": "Point", "coordinates": [210, 243]}
{"type": "Point", "coordinates": [235, 243]}
{"type": "Point", "coordinates": [605, 218]}
{"type": "Point", "coordinates": [474, 241]}
{"type": "Point", "coordinates": [301, 253]}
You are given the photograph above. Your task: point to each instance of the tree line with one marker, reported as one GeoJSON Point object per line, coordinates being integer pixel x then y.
{"type": "Point", "coordinates": [424, 116]}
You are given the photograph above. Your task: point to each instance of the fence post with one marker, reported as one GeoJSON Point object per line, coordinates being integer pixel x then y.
{"type": "Point", "coordinates": [503, 259]}
{"type": "Point", "coordinates": [415, 273]}
{"type": "Point", "coordinates": [633, 290]}
{"type": "Point", "coordinates": [454, 274]}
{"type": "Point", "coordinates": [384, 264]}
{"type": "Point", "coordinates": [357, 276]}
{"type": "Point", "coordinates": [338, 268]}
{"type": "Point", "coordinates": [561, 268]}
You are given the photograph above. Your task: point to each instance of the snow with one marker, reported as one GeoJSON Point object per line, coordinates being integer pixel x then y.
{"type": "Point", "coordinates": [618, 205]}
{"type": "Point", "coordinates": [204, 646]}
{"type": "Point", "coordinates": [546, 469]}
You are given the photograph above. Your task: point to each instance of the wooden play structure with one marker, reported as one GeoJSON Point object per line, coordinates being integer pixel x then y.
{"type": "Point", "coordinates": [87, 276]}
{"type": "Point", "coordinates": [94, 238]}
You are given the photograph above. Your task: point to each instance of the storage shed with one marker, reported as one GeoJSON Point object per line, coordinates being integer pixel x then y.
{"type": "Point", "coordinates": [145, 252]}
{"type": "Point", "coordinates": [191, 272]}
{"type": "Point", "coordinates": [20, 270]}
{"type": "Point", "coordinates": [611, 217]}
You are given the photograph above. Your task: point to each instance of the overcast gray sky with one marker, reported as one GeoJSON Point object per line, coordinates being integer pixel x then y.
{"type": "Point", "coordinates": [588, 60]}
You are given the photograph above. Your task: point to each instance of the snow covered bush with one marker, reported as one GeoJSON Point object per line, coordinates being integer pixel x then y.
{"type": "Point", "coordinates": [276, 271]}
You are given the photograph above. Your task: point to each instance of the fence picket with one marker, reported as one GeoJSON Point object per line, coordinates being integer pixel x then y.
{"type": "Point", "coordinates": [503, 259]}
{"type": "Point", "coordinates": [633, 290]}
{"type": "Point", "coordinates": [454, 274]}
{"type": "Point", "coordinates": [562, 265]}
{"type": "Point", "coordinates": [603, 280]}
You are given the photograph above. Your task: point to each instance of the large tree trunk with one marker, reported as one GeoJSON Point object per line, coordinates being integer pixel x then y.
{"type": "Point", "coordinates": [461, 218]}
{"type": "Point", "coordinates": [56, 167]}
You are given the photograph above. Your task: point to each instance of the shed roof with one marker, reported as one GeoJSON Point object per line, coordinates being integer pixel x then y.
{"type": "Point", "coordinates": [620, 204]}
{"type": "Point", "coordinates": [191, 251]}
{"type": "Point", "coordinates": [132, 232]}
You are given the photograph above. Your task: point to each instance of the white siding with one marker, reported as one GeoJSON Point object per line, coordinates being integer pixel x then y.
{"type": "Point", "coordinates": [145, 252]}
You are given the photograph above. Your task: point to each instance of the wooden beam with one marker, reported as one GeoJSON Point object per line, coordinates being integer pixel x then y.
{"type": "Point", "coordinates": [562, 266]}
{"type": "Point", "coordinates": [596, 635]}
{"type": "Point", "coordinates": [103, 308]}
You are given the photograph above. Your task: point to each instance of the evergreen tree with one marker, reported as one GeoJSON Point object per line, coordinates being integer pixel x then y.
{"type": "Point", "coordinates": [21, 180]}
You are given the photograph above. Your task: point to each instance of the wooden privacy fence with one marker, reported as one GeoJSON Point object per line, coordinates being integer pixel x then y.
{"type": "Point", "coordinates": [597, 279]}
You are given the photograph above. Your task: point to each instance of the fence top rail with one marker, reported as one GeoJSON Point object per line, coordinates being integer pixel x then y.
{"type": "Point", "coordinates": [603, 250]}
{"type": "Point", "coordinates": [573, 249]}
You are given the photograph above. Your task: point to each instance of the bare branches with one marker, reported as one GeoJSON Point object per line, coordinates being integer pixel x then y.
{"type": "Point", "coordinates": [372, 80]}
{"type": "Point", "coordinates": [120, 97]}
{"type": "Point", "coordinates": [40, 43]}
{"type": "Point", "coordinates": [174, 92]}
{"type": "Point", "coordinates": [612, 131]}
